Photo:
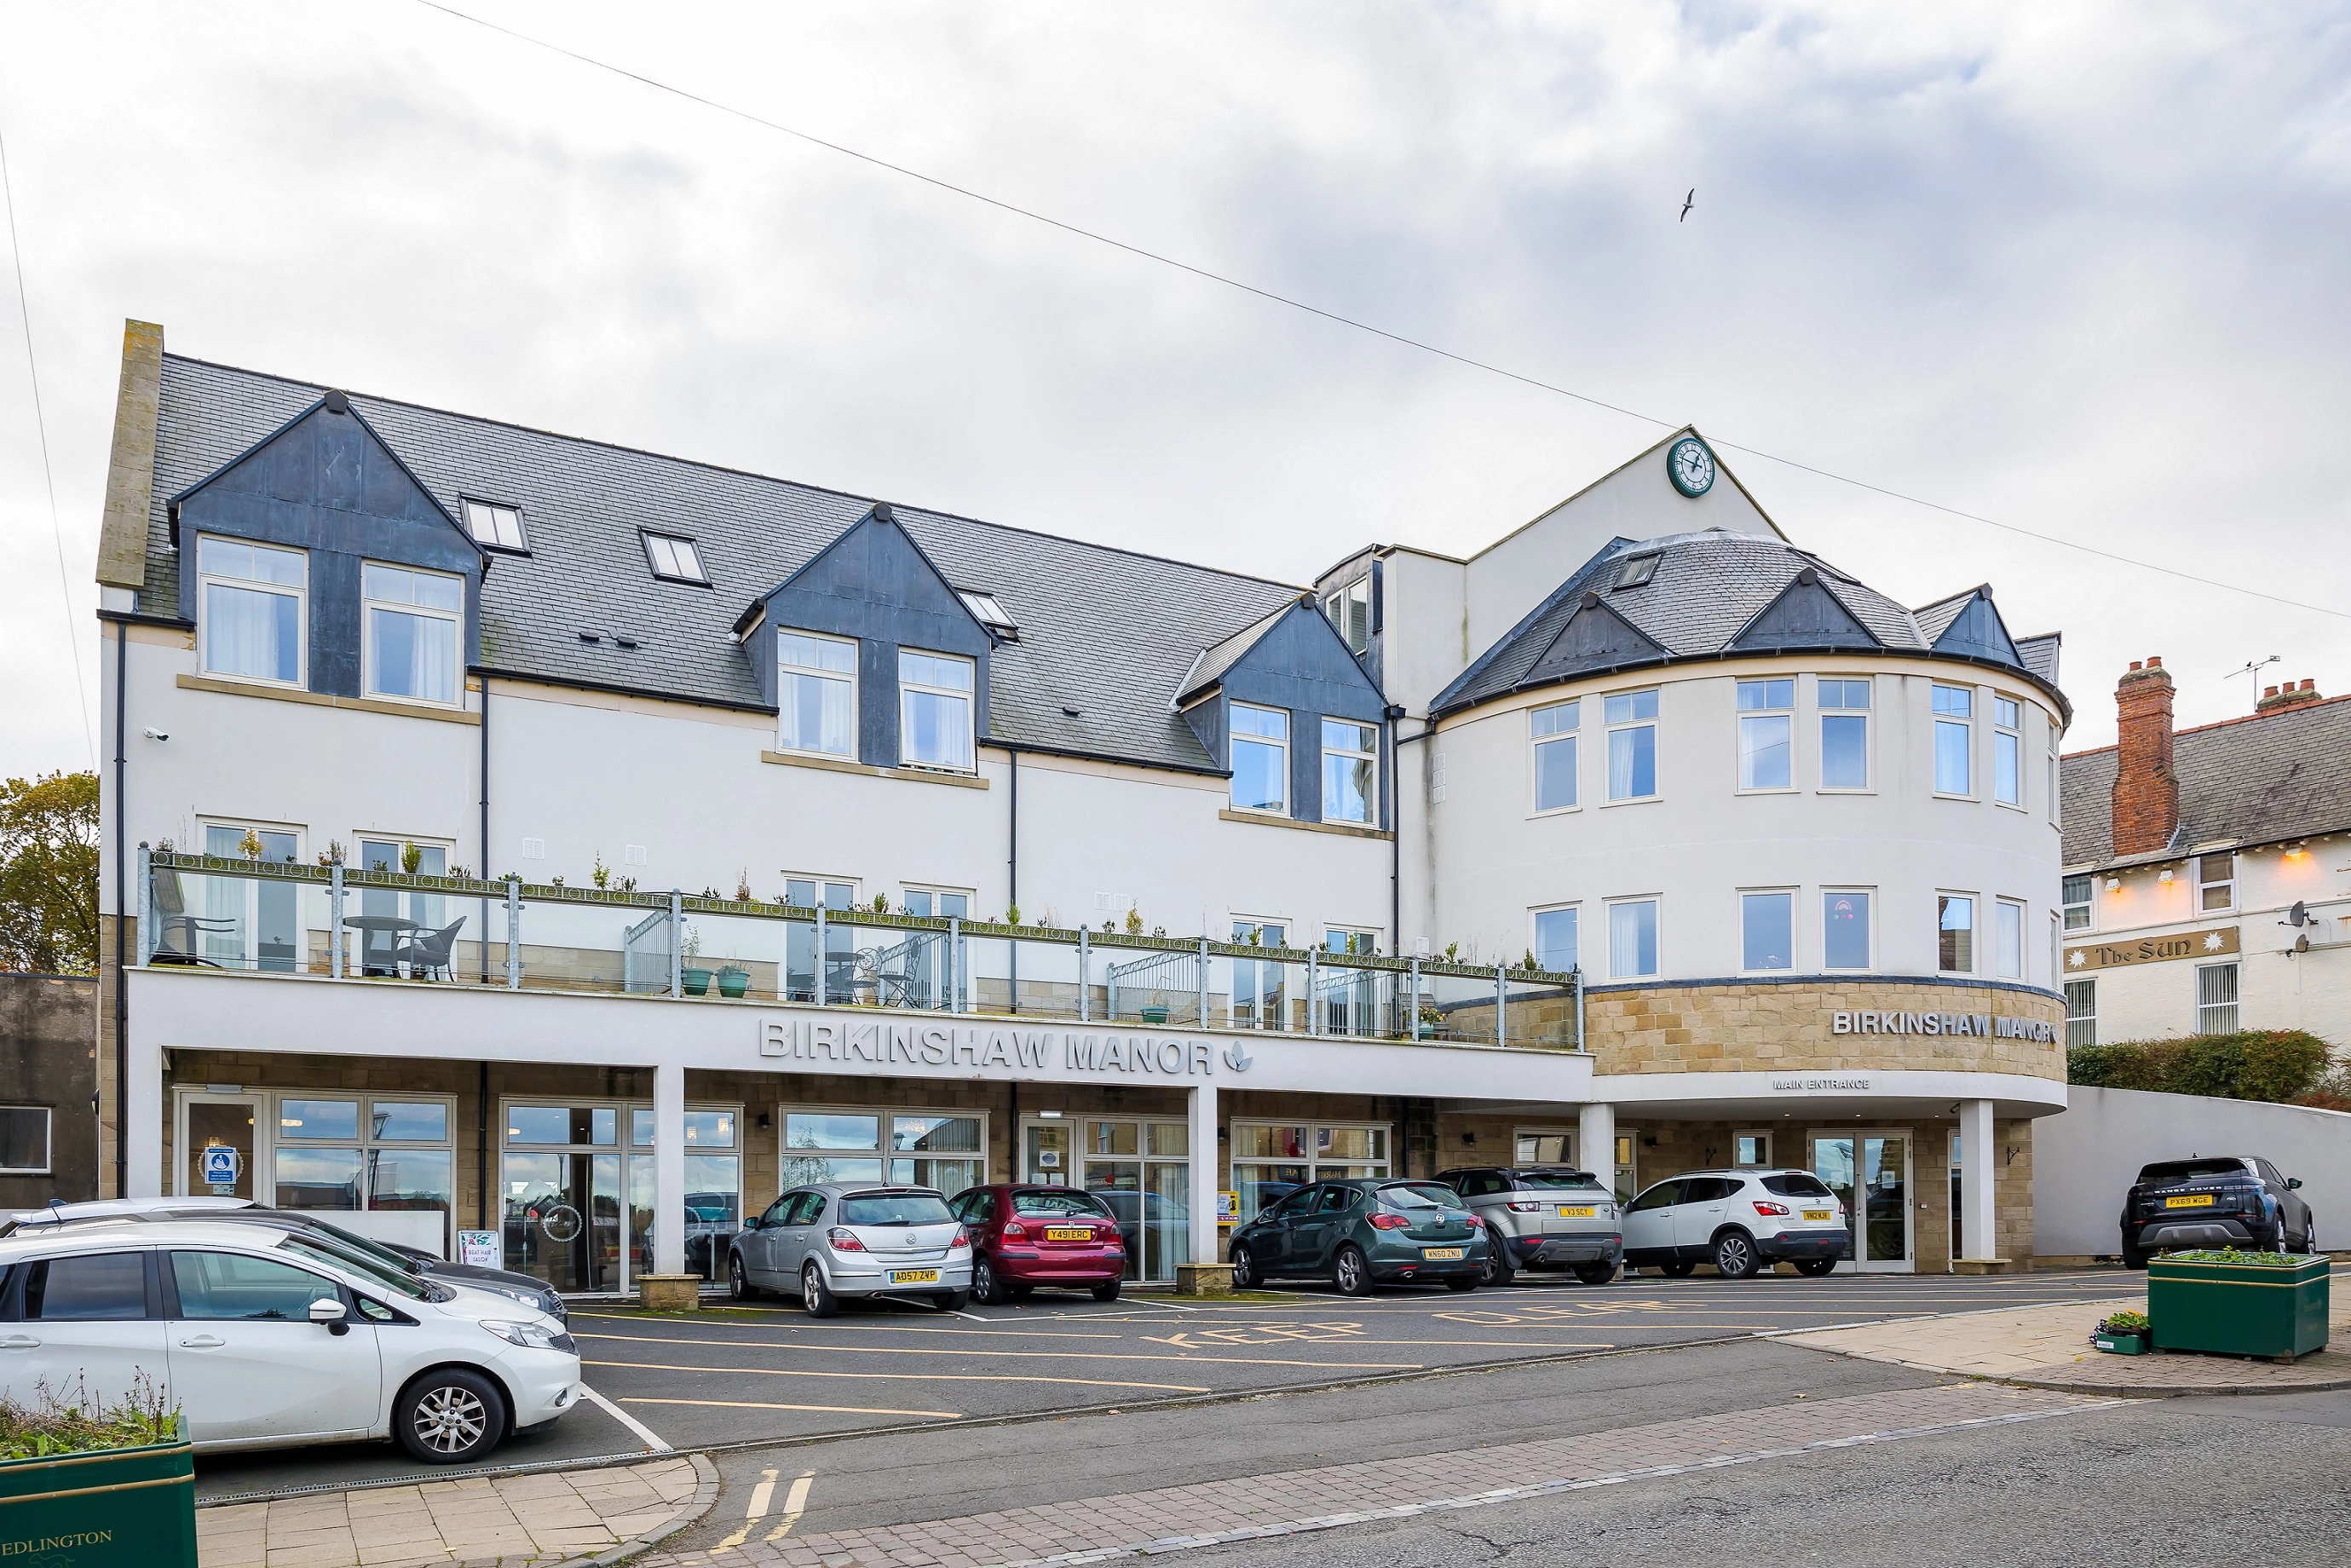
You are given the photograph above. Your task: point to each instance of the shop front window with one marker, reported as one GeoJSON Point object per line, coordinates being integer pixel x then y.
{"type": "Point", "coordinates": [388, 1159]}
{"type": "Point", "coordinates": [579, 1209]}
{"type": "Point", "coordinates": [1273, 1159]}
{"type": "Point", "coordinates": [1142, 1172]}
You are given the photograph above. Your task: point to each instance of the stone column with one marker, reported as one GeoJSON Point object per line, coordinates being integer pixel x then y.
{"type": "Point", "coordinates": [1978, 1175]}
{"type": "Point", "coordinates": [1595, 1143]}
{"type": "Point", "coordinates": [669, 1288]}
{"type": "Point", "coordinates": [141, 1127]}
{"type": "Point", "coordinates": [1204, 1275]}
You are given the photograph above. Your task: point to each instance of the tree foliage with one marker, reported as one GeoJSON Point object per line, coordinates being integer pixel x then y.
{"type": "Point", "coordinates": [49, 874]}
{"type": "Point", "coordinates": [2274, 1064]}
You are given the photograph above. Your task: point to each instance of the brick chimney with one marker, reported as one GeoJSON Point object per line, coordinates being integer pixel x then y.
{"type": "Point", "coordinates": [2146, 791]}
{"type": "Point", "coordinates": [2287, 696]}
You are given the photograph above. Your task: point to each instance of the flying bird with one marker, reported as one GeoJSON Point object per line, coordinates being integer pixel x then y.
{"type": "Point", "coordinates": [1687, 203]}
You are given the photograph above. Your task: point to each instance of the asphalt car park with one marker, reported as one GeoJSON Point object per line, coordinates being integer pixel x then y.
{"type": "Point", "coordinates": [734, 1376]}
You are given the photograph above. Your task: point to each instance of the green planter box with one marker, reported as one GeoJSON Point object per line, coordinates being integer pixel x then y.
{"type": "Point", "coordinates": [2121, 1343]}
{"type": "Point", "coordinates": [734, 982]}
{"type": "Point", "coordinates": [135, 1508]}
{"type": "Point", "coordinates": [695, 982]}
{"type": "Point", "coordinates": [2239, 1308]}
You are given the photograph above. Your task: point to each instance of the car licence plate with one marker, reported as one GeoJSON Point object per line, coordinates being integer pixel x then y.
{"type": "Point", "coordinates": [1069, 1233]}
{"type": "Point", "coordinates": [2202, 1200]}
{"type": "Point", "coordinates": [1568, 1211]}
{"type": "Point", "coordinates": [1441, 1254]}
{"type": "Point", "coordinates": [914, 1276]}
{"type": "Point", "coordinates": [1820, 1214]}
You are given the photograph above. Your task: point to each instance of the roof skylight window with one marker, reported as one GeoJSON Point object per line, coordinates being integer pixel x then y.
{"type": "Point", "coordinates": [676, 559]}
{"type": "Point", "coordinates": [989, 612]}
{"type": "Point", "coordinates": [500, 527]}
{"type": "Point", "coordinates": [1637, 570]}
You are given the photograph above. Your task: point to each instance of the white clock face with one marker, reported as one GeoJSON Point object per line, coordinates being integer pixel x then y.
{"type": "Point", "coordinates": [1691, 466]}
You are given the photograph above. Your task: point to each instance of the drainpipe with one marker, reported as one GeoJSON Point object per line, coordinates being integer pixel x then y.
{"type": "Point", "coordinates": [819, 945]}
{"type": "Point", "coordinates": [1579, 1007]}
{"type": "Point", "coordinates": [1012, 870]}
{"type": "Point", "coordinates": [1085, 969]}
{"type": "Point", "coordinates": [1388, 716]}
{"type": "Point", "coordinates": [1501, 1007]}
{"type": "Point", "coordinates": [485, 833]}
{"type": "Point", "coordinates": [1204, 983]}
{"type": "Point", "coordinates": [677, 947]}
{"type": "Point", "coordinates": [122, 1001]}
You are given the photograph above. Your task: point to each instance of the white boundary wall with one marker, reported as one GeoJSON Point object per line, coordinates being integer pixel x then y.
{"type": "Point", "coordinates": [2085, 1159]}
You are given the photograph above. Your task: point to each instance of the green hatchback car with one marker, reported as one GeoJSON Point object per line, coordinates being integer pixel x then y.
{"type": "Point", "coordinates": [1361, 1232]}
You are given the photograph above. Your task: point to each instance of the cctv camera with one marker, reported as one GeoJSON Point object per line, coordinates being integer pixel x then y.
{"type": "Point", "coordinates": [155, 733]}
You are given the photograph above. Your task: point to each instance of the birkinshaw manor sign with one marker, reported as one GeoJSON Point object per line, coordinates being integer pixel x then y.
{"type": "Point", "coordinates": [985, 1051]}
{"type": "Point", "coordinates": [1990, 1026]}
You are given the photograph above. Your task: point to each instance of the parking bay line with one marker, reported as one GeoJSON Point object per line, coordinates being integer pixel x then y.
{"type": "Point", "coordinates": [901, 1377]}
{"type": "Point", "coordinates": [801, 1325]}
{"type": "Point", "coordinates": [651, 1441]}
{"type": "Point", "coordinates": [821, 1409]}
{"type": "Point", "coordinates": [959, 1349]}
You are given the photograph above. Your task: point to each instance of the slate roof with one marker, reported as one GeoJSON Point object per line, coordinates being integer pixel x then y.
{"type": "Point", "coordinates": [2039, 653]}
{"type": "Point", "coordinates": [1706, 590]}
{"type": "Point", "coordinates": [1107, 632]}
{"type": "Point", "coordinates": [2259, 780]}
{"type": "Point", "coordinates": [1224, 655]}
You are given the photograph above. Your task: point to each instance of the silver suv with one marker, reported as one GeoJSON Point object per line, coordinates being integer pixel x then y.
{"type": "Point", "coordinates": [1543, 1218]}
{"type": "Point", "coordinates": [853, 1238]}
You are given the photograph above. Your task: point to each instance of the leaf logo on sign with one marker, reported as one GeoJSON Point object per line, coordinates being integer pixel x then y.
{"type": "Point", "coordinates": [1236, 1059]}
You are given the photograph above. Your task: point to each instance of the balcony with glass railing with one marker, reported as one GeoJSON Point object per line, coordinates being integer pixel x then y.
{"type": "Point", "coordinates": [387, 927]}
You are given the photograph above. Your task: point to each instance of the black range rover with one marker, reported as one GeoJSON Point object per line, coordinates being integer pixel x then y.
{"type": "Point", "coordinates": [2220, 1200]}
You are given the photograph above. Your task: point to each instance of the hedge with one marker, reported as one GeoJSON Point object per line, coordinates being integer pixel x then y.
{"type": "Point", "coordinates": [2273, 1064]}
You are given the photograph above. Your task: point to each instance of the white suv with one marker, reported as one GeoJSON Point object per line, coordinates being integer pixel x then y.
{"type": "Point", "coordinates": [1739, 1221]}
{"type": "Point", "coordinates": [264, 1337]}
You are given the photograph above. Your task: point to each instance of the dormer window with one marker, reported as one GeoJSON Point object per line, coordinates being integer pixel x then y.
{"type": "Point", "coordinates": [1636, 570]}
{"type": "Point", "coordinates": [1349, 611]}
{"type": "Point", "coordinates": [989, 611]}
{"type": "Point", "coordinates": [414, 621]}
{"type": "Point", "coordinates": [498, 528]}
{"type": "Point", "coordinates": [675, 559]}
{"type": "Point", "coordinates": [254, 597]}
{"type": "Point", "coordinates": [934, 711]}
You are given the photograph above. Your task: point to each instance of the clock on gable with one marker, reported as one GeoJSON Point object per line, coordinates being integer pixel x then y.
{"type": "Point", "coordinates": [1691, 466]}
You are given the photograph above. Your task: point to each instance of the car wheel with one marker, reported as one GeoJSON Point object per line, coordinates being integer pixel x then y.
{"type": "Point", "coordinates": [2134, 1259]}
{"type": "Point", "coordinates": [1496, 1271]}
{"type": "Point", "coordinates": [2310, 1236]}
{"type": "Point", "coordinates": [450, 1415]}
{"type": "Point", "coordinates": [951, 1301]}
{"type": "Point", "coordinates": [1244, 1269]}
{"type": "Point", "coordinates": [1595, 1273]}
{"type": "Point", "coordinates": [1352, 1271]}
{"type": "Point", "coordinates": [1678, 1269]}
{"type": "Point", "coordinates": [1019, 1292]}
{"type": "Point", "coordinates": [1816, 1268]}
{"type": "Point", "coordinates": [1464, 1285]}
{"type": "Point", "coordinates": [816, 1295]}
{"type": "Point", "coordinates": [738, 1282]}
{"type": "Point", "coordinates": [986, 1288]}
{"type": "Point", "coordinates": [1107, 1293]}
{"type": "Point", "coordinates": [1734, 1255]}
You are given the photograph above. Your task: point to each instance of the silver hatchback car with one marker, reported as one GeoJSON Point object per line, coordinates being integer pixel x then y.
{"type": "Point", "coordinates": [1542, 1218]}
{"type": "Point", "coordinates": [853, 1238]}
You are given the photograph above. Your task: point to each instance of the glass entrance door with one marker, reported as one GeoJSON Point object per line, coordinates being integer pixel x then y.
{"type": "Point", "coordinates": [1045, 1154]}
{"type": "Point", "coordinates": [563, 1220]}
{"type": "Point", "coordinates": [1870, 1174]}
{"type": "Point", "coordinates": [219, 1137]}
{"type": "Point", "coordinates": [1143, 1173]}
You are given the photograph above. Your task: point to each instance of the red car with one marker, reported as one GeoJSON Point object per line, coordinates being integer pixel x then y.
{"type": "Point", "coordinates": [1023, 1236]}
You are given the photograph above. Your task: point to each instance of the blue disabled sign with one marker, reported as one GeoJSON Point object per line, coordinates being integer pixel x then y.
{"type": "Point", "coordinates": [220, 1166]}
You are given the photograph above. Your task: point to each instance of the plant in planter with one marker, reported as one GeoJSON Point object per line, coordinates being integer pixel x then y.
{"type": "Point", "coordinates": [743, 886]}
{"type": "Point", "coordinates": [1133, 921]}
{"type": "Point", "coordinates": [98, 1485]}
{"type": "Point", "coordinates": [601, 874]}
{"type": "Point", "coordinates": [411, 857]}
{"type": "Point", "coordinates": [696, 978]}
{"type": "Point", "coordinates": [733, 981]}
{"type": "Point", "coordinates": [2124, 1334]}
{"type": "Point", "coordinates": [250, 845]}
{"type": "Point", "coordinates": [2271, 1304]}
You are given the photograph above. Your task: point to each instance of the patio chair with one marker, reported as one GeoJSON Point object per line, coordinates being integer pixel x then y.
{"type": "Point", "coordinates": [176, 930]}
{"type": "Point", "coordinates": [428, 952]}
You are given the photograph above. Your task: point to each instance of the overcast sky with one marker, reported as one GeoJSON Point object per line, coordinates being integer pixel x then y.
{"type": "Point", "coordinates": [2080, 269]}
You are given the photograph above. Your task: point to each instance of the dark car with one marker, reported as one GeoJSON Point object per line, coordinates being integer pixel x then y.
{"type": "Point", "coordinates": [1363, 1231]}
{"type": "Point", "coordinates": [1025, 1236]}
{"type": "Point", "coordinates": [2215, 1200]}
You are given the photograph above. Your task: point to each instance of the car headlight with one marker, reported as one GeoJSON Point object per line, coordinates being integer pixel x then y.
{"type": "Point", "coordinates": [529, 1337]}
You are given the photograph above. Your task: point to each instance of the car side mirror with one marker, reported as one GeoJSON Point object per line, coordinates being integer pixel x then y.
{"type": "Point", "coordinates": [752, 1223]}
{"type": "Point", "coordinates": [329, 1315]}
{"type": "Point", "coordinates": [2293, 1181]}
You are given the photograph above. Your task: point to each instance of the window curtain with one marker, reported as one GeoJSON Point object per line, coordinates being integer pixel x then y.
{"type": "Point", "coordinates": [248, 632]}
{"type": "Point", "coordinates": [415, 656]}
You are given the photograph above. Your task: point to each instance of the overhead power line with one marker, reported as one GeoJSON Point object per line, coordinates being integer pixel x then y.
{"type": "Point", "coordinates": [41, 424]}
{"type": "Point", "coordinates": [1355, 323]}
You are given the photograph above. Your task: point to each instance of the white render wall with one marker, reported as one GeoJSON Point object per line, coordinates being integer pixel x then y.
{"type": "Point", "coordinates": [1702, 841]}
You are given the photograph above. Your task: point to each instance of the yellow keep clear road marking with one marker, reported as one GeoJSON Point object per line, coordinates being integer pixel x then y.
{"type": "Point", "coordinates": [902, 1376]}
{"type": "Point", "coordinates": [795, 1505]}
{"type": "Point", "coordinates": [757, 1511]}
{"type": "Point", "coordinates": [1025, 1354]}
{"type": "Point", "coordinates": [827, 1409]}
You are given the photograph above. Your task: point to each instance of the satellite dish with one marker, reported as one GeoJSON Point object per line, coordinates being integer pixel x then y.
{"type": "Point", "coordinates": [2299, 914]}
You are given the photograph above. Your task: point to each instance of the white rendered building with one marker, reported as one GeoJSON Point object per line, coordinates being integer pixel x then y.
{"type": "Point", "coordinates": [498, 823]}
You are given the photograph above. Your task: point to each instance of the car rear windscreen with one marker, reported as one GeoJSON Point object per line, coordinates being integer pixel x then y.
{"type": "Point", "coordinates": [1421, 1195]}
{"type": "Point", "coordinates": [1796, 1184]}
{"type": "Point", "coordinates": [2190, 1170]}
{"type": "Point", "coordinates": [1552, 1181]}
{"type": "Point", "coordinates": [1059, 1201]}
{"type": "Point", "coordinates": [894, 1209]}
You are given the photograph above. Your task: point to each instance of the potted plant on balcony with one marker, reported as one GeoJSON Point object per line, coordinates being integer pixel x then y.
{"type": "Point", "coordinates": [2271, 1304]}
{"type": "Point", "coordinates": [2124, 1334]}
{"type": "Point", "coordinates": [98, 1485]}
{"type": "Point", "coordinates": [696, 978]}
{"type": "Point", "coordinates": [733, 981]}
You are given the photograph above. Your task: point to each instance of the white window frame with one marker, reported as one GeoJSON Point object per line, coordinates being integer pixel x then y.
{"type": "Point", "coordinates": [1341, 603]}
{"type": "Point", "coordinates": [2081, 1028]}
{"type": "Point", "coordinates": [48, 1142]}
{"type": "Point", "coordinates": [1566, 1133]}
{"type": "Point", "coordinates": [1656, 748]}
{"type": "Point", "coordinates": [454, 619]}
{"type": "Point", "coordinates": [1534, 927]}
{"type": "Point", "coordinates": [1869, 928]}
{"type": "Point", "coordinates": [968, 696]}
{"type": "Point", "coordinates": [2009, 736]}
{"type": "Point", "coordinates": [1963, 723]}
{"type": "Point", "coordinates": [300, 595]}
{"type": "Point", "coordinates": [1822, 715]}
{"type": "Point", "coordinates": [1745, 714]}
{"type": "Point", "coordinates": [676, 572]}
{"type": "Point", "coordinates": [2088, 905]}
{"type": "Point", "coordinates": [1763, 1133]}
{"type": "Point", "coordinates": [2227, 884]}
{"type": "Point", "coordinates": [497, 514]}
{"type": "Point", "coordinates": [1795, 924]}
{"type": "Point", "coordinates": [1570, 737]}
{"type": "Point", "coordinates": [1371, 818]}
{"type": "Point", "coordinates": [1974, 930]}
{"type": "Point", "coordinates": [1656, 904]}
{"type": "Point", "coordinates": [792, 672]}
{"type": "Point", "coordinates": [886, 1117]}
{"type": "Point", "coordinates": [2005, 913]}
{"type": "Point", "coordinates": [2056, 775]}
{"type": "Point", "coordinates": [2208, 1014]}
{"type": "Point", "coordinates": [1234, 738]}
{"type": "Point", "coordinates": [1312, 1159]}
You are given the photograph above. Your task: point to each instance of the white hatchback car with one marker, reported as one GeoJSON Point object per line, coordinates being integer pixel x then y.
{"type": "Point", "coordinates": [1739, 1221]}
{"type": "Point", "coordinates": [265, 1337]}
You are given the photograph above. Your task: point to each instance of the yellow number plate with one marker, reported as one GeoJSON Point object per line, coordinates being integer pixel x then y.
{"type": "Point", "coordinates": [2202, 1200]}
{"type": "Point", "coordinates": [1069, 1233]}
{"type": "Point", "coordinates": [1441, 1254]}
{"type": "Point", "coordinates": [1586, 1212]}
{"type": "Point", "coordinates": [1819, 1213]}
{"type": "Point", "coordinates": [914, 1276]}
